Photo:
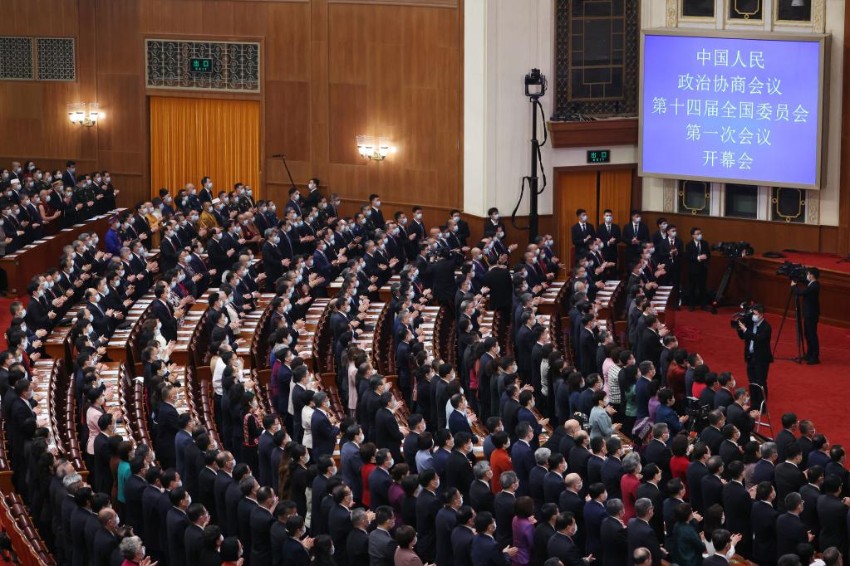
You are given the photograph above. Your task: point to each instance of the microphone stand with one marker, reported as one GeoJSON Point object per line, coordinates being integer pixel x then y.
{"type": "Point", "coordinates": [286, 166]}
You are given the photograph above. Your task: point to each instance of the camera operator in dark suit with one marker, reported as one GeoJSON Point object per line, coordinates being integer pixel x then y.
{"type": "Point", "coordinates": [811, 313]}
{"type": "Point", "coordinates": [756, 334]}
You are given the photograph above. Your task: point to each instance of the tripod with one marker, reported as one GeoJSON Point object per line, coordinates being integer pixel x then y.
{"type": "Point", "coordinates": [798, 325]}
{"type": "Point", "coordinates": [724, 283]}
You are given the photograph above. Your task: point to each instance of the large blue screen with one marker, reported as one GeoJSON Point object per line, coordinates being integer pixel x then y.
{"type": "Point", "coordinates": [729, 109]}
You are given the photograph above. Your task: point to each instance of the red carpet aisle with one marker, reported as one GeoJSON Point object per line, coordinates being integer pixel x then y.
{"type": "Point", "coordinates": [816, 392]}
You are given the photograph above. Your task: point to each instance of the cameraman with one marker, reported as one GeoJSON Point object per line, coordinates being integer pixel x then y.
{"type": "Point", "coordinates": [811, 313]}
{"type": "Point", "coordinates": [756, 336]}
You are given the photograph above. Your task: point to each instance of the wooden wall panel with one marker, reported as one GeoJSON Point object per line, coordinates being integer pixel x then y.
{"type": "Point", "coordinates": [330, 71]}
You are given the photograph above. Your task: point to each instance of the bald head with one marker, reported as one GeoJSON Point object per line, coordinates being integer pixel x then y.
{"type": "Point", "coordinates": [573, 482]}
{"type": "Point", "coordinates": [572, 427]}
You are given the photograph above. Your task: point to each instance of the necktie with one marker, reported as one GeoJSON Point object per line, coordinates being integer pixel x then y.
{"type": "Point", "coordinates": [582, 228]}
{"type": "Point", "coordinates": [698, 249]}
{"type": "Point", "coordinates": [636, 229]}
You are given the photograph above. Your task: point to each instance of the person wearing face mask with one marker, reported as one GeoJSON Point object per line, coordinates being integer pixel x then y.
{"type": "Point", "coordinates": [811, 313]}
{"type": "Point", "coordinates": [493, 224]}
{"type": "Point", "coordinates": [635, 235]}
{"type": "Point", "coordinates": [661, 233]}
{"type": "Point", "coordinates": [697, 256]}
{"type": "Point", "coordinates": [69, 176]}
{"type": "Point", "coordinates": [582, 233]}
{"type": "Point", "coordinates": [670, 252]}
{"type": "Point", "coordinates": [375, 214]}
{"type": "Point", "coordinates": [206, 194]}
{"type": "Point", "coordinates": [313, 196]}
{"type": "Point", "coordinates": [141, 224]}
{"type": "Point", "coordinates": [756, 334]}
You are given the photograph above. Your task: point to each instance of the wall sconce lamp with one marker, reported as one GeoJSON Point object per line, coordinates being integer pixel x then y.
{"type": "Point", "coordinates": [370, 148]}
{"type": "Point", "coordinates": [84, 114]}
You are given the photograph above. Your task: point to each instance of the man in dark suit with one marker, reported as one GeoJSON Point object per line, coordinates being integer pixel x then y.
{"type": "Point", "coordinates": [697, 256]}
{"type": "Point", "coordinates": [712, 483]}
{"type": "Point", "coordinates": [642, 535]}
{"type": "Point", "coordinates": [102, 481]}
{"type": "Point", "coordinates": [458, 467]}
{"type": "Point", "coordinates": [134, 487]}
{"type": "Point", "coordinates": [324, 430]}
{"type": "Point", "coordinates": [612, 469]}
{"type": "Point", "coordinates": [594, 514]}
{"type": "Point", "coordinates": [357, 542]}
{"type": "Point", "coordinates": [162, 310]}
{"type": "Point", "coordinates": [609, 233]}
{"type": "Point", "coordinates": [811, 313]}
{"type": "Point", "coordinates": [427, 506]}
{"type": "Point", "coordinates": [167, 420]}
{"type": "Point", "coordinates": [765, 468]}
{"type": "Point", "coordinates": [462, 536]}
{"type": "Point", "coordinates": [562, 545]}
{"type": "Point", "coordinates": [105, 539]}
{"type": "Point", "coordinates": [388, 434]}
{"type": "Point", "coordinates": [613, 535]}
{"type": "Point", "coordinates": [380, 480]}
{"type": "Point", "coordinates": [810, 494]}
{"type": "Point", "coordinates": [587, 346]}
{"type": "Point", "coordinates": [176, 522]}
{"type": "Point", "coordinates": [582, 233]}
{"type": "Point", "coordinates": [503, 507]}
{"type": "Point", "coordinates": [543, 531]}
{"type": "Point", "coordinates": [480, 491]}
{"type": "Point", "coordinates": [193, 537]}
{"type": "Point", "coordinates": [261, 521]}
{"type": "Point", "coordinates": [757, 352]}
{"type": "Point", "coordinates": [485, 548]}
{"type": "Point", "coordinates": [522, 456]}
{"type": "Point", "coordinates": [763, 524]}
{"type": "Point", "coordinates": [832, 515]}
{"type": "Point", "coordinates": [786, 438]}
{"type": "Point", "coordinates": [787, 476]}
{"type": "Point", "coordinates": [738, 413]}
{"type": "Point", "coordinates": [790, 530]}
{"type": "Point", "coordinates": [712, 435]}
{"type": "Point", "coordinates": [444, 523]}
{"type": "Point", "coordinates": [635, 235]}
{"type": "Point", "coordinates": [375, 214]}
{"type": "Point", "coordinates": [553, 481]}
{"type": "Point", "coordinates": [737, 505]}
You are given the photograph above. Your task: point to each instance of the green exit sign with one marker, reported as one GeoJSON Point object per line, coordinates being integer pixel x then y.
{"type": "Point", "coordinates": [599, 156]}
{"type": "Point", "coordinates": [199, 65]}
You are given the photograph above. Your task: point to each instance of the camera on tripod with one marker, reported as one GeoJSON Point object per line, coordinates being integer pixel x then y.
{"type": "Point", "coordinates": [743, 315]}
{"type": "Point", "coordinates": [796, 272]}
{"type": "Point", "coordinates": [733, 249]}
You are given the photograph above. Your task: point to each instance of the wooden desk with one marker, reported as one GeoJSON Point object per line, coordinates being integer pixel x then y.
{"type": "Point", "coordinates": [38, 257]}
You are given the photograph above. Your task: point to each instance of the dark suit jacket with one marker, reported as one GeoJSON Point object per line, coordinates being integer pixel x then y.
{"type": "Point", "coordinates": [737, 505]}
{"type": "Point", "coordinates": [339, 527]}
{"type": "Point", "coordinates": [427, 506]}
{"type": "Point", "coordinates": [641, 534]}
{"type": "Point", "coordinates": [166, 430]}
{"type": "Point", "coordinates": [522, 456]}
{"type": "Point", "coordinates": [612, 473]}
{"type": "Point", "coordinates": [787, 478]}
{"type": "Point", "coordinates": [790, 531]}
{"type": "Point", "coordinates": [387, 433]}
{"type": "Point", "coordinates": [150, 513]}
{"type": "Point", "coordinates": [261, 522]}
{"type": "Point", "coordinates": [761, 344]}
{"type": "Point", "coordinates": [324, 434]}
{"type": "Point", "coordinates": [356, 549]}
{"type": "Point", "coordinates": [832, 515]}
{"type": "Point", "coordinates": [486, 551]}
{"type": "Point", "coordinates": [763, 471]}
{"type": "Point", "coordinates": [379, 486]}
{"type": "Point", "coordinates": [163, 314]}
{"type": "Point", "coordinates": [104, 543]}
{"type": "Point", "coordinates": [763, 525]}
{"type": "Point", "coordinates": [712, 491]}
{"type": "Point", "coordinates": [503, 511]}
{"type": "Point", "coordinates": [459, 472]}
{"type": "Point", "coordinates": [462, 545]}
{"type": "Point", "coordinates": [642, 234]}
{"type": "Point", "coordinates": [176, 522]}
{"type": "Point", "coordinates": [193, 543]}
{"type": "Point", "coordinates": [811, 300]}
{"type": "Point", "coordinates": [579, 236]}
{"type": "Point", "coordinates": [481, 496]}
{"type": "Point", "coordinates": [810, 494]}
{"type": "Point", "coordinates": [553, 486]}
{"type": "Point", "coordinates": [563, 547]}
{"type": "Point", "coordinates": [614, 538]}
{"type": "Point", "coordinates": [444, 523]}
{"type": "Point", "coordinates": [784, 439]}
{"type": "Point", "coordinates": [594, 514]}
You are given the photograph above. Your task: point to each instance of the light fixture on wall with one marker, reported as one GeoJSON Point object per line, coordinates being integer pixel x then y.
{"type": "Point", "coordinates": [372, 148]}
{"type": "Point", "coordinates": [84, 113]}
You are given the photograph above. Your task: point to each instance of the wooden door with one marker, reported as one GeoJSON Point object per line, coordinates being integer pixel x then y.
{"type": "Point", "coordinates": [593, 189]}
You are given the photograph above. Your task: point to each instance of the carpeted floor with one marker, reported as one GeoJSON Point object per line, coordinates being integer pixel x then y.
{"type": "Point", "coordinates": [812, 392]}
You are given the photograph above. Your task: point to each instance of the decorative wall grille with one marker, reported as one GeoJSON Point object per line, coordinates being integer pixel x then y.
{"type": "Point", "coordinates": [235, 66]}
{"type": "Point", "coordinates": [16, 58]}
{"type": "Point", "coordinates": [56, 59]}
